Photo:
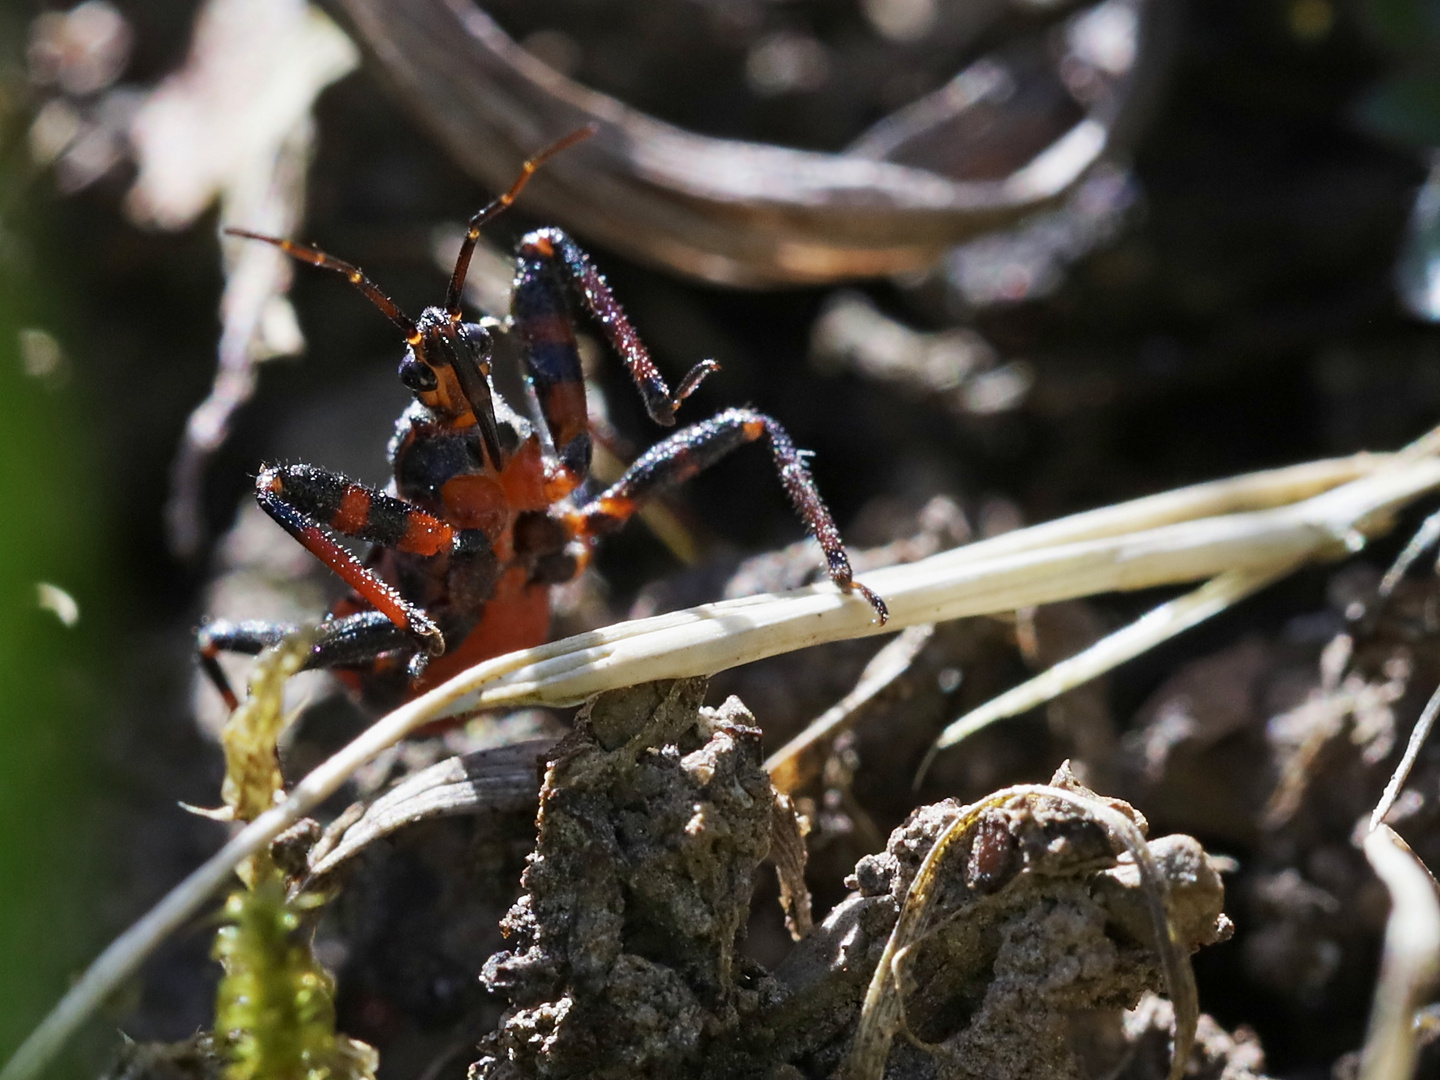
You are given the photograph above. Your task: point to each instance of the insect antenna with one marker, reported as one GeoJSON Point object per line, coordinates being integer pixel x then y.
{"type": "Point", "coordinates": [356, 277]}
{"type": "Point", "coordinates": [501, 202]}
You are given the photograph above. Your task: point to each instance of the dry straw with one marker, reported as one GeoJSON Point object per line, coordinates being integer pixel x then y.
{"type": "Point", "coordinates": [1411, 958]}
{"type": "Point", "coordinates": [1261, 525]}
{"type": "Point", "coordinates": [1410, 962]}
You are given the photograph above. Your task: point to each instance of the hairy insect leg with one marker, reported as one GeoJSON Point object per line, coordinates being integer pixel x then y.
{"type": "Point", "coordinates": [549, 262]}
{"type": "Point", "coordinates": [351, 641]}
{"type": "Point", "coordinates": [306, 501]}
{"type": "Point", "coordinates": [694, 449]}
{"type": "Point", "coordinates": [552, 367]}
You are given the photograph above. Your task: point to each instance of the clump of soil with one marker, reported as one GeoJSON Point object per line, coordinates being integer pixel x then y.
{"type": "Point", "coordinates": [655, 817]}
{"type": "Point", "coordinates": [624, 958]}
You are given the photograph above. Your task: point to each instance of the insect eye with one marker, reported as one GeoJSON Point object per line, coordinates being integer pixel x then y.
{"type": "Point", "coordinates": [479, 338]}
{"type": "Point", "coordinates": [417, 375]}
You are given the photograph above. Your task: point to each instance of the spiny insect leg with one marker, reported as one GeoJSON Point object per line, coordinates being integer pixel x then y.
{"type": "Point", "coordinates": [695, 448]}
{"type": "Point", "coordinates": [351, 641]}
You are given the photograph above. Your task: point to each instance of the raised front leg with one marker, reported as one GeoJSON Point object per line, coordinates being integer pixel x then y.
{"type": "Point", "coordinates": [353, 641]}
{"type": "Point", "coordinates": [689, 451]}
{"type": "Point", "coordinates": [306, 501]}
{"type": "Point", "coordinates": [550, 262]}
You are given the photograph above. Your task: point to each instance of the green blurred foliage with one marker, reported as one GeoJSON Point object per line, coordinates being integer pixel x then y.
{"type": "Point", "coordinates": [51, 690]}
{"type": "Point", "coordinates": [49, 884]}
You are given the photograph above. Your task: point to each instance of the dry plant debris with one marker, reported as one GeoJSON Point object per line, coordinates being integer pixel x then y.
{"type": "Point", "coordinates": [1255, 523]}
{"type": "Point", "coordinates": [655, 816]}
{"type": "Point", "coordinates": [496, 781]}
{"type": "Point", "coordinates": [750, 213]}
{"type": "Point", "coordinates": [235, 125]}
{"type": "Point", "coordinates": [1412, 956]}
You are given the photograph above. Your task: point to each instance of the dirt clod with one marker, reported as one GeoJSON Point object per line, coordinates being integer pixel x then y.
{"type": "Point", "coordinates": [655, 816]}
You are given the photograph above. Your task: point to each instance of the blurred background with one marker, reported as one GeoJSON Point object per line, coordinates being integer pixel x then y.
{"type": "Point", "coordinates": [1224, 255]}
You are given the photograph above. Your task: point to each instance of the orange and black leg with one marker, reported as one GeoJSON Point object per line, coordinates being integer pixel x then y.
{"type": "Point", "coordinates": [695, 448]}
{"type": "Point", "coordinates": [307, 501]}
{"type": "Point", "coordinates": [352, 641]}
{"type": "Point", "coordinates": [552, 367]}
{"type": "Point", "coordinates": [550, 263]}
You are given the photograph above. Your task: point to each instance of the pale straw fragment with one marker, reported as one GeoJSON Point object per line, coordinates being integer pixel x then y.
{"type": "Point", "coordinates": [1194, 533]}
{"type": "Point", "coordinates": [1411, 958]}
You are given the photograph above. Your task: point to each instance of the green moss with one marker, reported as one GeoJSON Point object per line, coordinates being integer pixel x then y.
{"type": "Point", "coordinates": [275, 1009]}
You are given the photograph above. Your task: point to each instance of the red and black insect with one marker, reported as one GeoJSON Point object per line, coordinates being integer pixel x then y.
{"type": "Point", "coordinates": [482, 516]}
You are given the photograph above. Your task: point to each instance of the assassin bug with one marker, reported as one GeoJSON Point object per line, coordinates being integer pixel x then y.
{"type": "Point", "coordinates": [482, 515]}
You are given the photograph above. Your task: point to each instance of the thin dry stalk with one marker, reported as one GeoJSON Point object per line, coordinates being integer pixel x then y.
{"type": "Point", "coordinates": [1246, 523]}
{"type": "Point", "coordinates": [1418, 734]}
{"type": "Point", "coordinates": [1424, 539]}
{"type": "Point", "coordinates": [803, 757]}
{"type": "Point", "coordinates": [1151, 629]}
{"type": "Point", "coordinates": [1411, 960]}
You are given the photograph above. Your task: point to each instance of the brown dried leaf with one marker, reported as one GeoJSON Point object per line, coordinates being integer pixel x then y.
{"type": "Point", "coordinates": [500, 780]}
{"type": "Point", "coordinates": [788, 852]}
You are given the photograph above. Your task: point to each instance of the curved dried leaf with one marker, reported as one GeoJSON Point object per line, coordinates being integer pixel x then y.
{"type": "Point", "coordinates": [739, 213]}
{"type": "Point", "coordinates": [500, 780]}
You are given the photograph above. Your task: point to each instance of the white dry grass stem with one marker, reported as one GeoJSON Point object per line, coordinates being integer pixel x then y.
{"type": "Point", "coordinates": [1422, 541]}
{"type": "Point", "coordinates": [1155, 626]}
{"type": "Point", "coordinates": [1410, 962]}
{"type": "Point", "coordinates": [1080, 556]}
{"type": "Point", "coordinates": [882, 1012]}
{"type": "Point", "coordinates": [1255, 521]}
{"type": "Point", "coordinates": [803, 757]}
{"type": "Point", "coordinates": [1418, 734]}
